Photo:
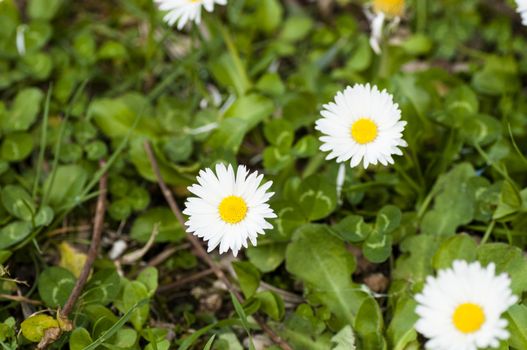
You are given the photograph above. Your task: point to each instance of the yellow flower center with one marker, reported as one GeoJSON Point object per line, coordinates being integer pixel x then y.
{"type": "Point", "coordinates": [392, 8]}
{"type": "Point", "coordinates": [364, 131]}
{"type": "Point", "coordinates": [468, 318]}
{"type": "Point", "coordinates": [233, 209]}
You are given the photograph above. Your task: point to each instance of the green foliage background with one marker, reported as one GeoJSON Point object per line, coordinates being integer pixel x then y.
{"type": "Point", "coordinates": [98, 78]}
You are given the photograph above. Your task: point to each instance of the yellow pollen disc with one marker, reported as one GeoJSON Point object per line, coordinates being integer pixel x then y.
{"type": "Point", "coordinates": [391, 8]}
{"type": "Point", "coordinates": [468, 318]}
{"type": "Point", "coordinates": [233, 209]}
{"type": "Point", "coordinates": [364, 131]}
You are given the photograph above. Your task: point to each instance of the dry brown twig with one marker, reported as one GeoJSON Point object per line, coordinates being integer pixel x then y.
{"type": "Point", "coordinates": [167, 253]}
{"type": "Point", "coordinates": [53, 334]}
{"type": "Point", "coordinates": [202, 254]}
{"type": "Point", "coordinates": [185, 280]}
{"type": "Point", "coordinates": [20, 299]}
{"type": "Point", "coordinates": [98, 224]}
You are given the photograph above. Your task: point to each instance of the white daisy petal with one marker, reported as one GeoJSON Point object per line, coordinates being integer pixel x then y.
{"type": "Point", "coordinates": [522, 10]}
{"type": "Point", "coordinates": [462, 306]}
{"type": "Point", "coordinates": [363, 125]}
{"type": "Point", "coordinates": [229, 209]}
{"type": "Point", "coordinates": [182, 11]}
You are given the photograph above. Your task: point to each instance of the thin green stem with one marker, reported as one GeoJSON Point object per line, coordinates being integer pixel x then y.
{"type": "Point", "coordinates": [43, 139]}
{"type": "Point", "coordinates": [407, 177]}
{"type": "Point", "coordinates": [233, 51]}
{"type": "Point", "coordinates": [494, 166]}
{"type": "Point", "coordinates": [168, 80]}
{"type": "Point", "coordinates": [58, 145]}
{"type": "Point", "coordinates": [421, 15]}
{"type": "Point", "coordinates": [426, 203]}
{"type": "Point", "coordinates": [488, 232]}
{"type": "Point", "coordinates": [515, 145]}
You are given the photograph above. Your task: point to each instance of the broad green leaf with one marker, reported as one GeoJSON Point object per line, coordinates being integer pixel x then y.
{"type": "Point", "coordinates": [248, 277]}
{"type": "Point", "coordinates": [320, 260]}
{"type": "Point", "coordinates": [244, 114]}
{"type": "Point", "coordinates": [461, 103]}
{"type": "Point", "coordinates": [401, 330]}
{"type": "Point", "coordinates": [481, 129]}
{"type": "Point", "coordinates": [415, 263]}
{"type": "Point", "coordinates": [517, 318]}
{"type": "Point", "coordinates": [24, 110]}
{"type": "Point", "coordinates": [228, 73]}
{"type": "Point", "coordinates": [97, 314]}
{"type": "Point", "coordinates": [133, 293]}
{"type": "Point", "coordinates": [66, 185]}
{"type": "Point", "coordinates": [271, 304]}
{"type": "Point", "coordinates": [271, 83]}
{"type": "Point", "coordinates": [125, 338]}
{"type": "Point", "coordinates": [378, 247]}
{"type": "Point", "coordinates": [317, 197]}
{"type": "Point", "coordinates": [171, 173]}
{"type": "Point", "coordinates": [7, 329]}
{"type": "Point", "coordinates": [18, 202]}
{"type": "Point", "coordinates": [149, 277]}
{"type": "Point", "coordinates": [306, 147]}
{"type": "Point", "coordinates": [276, 159]}
{"type": "Point", "coordinates": [454, 204]}
{"type": "Point", "coordinates": [353, 228]}
{"type": "Point", "coordinates": [304, 331]}
{"type": "Point", "coordinates": [161, 345]}
{"type": "Point", "coordinates": [80, 338]}
{"type": "Point", "coordinates": [280, 133]}
{"type": "Point", "coordinates": [55, 285]}
{"type": "Point", "coordinates": [191, 339]}
{"type": "Point", "coordinates": [296, 27]}
{"type": "Point", "coordinates": [268, 14]}
{"type": "Point", "coordinates": [369, 326]}
{"type": "Point", "coordinates": [169, 228]}
{"type": "Point", "coordinates": [267, 257]}
{"type": "Point", "coordinates": [289, 219]}
{"type": "Point", "coordinates": [102, 287]}
{"type": "Point", "coordinates": [509, 203]}
{"type": "Point", "coordinates": [508, 259]}
{"type": "Point", "coordinates": [116, 117]}
{"type": "Point", "coordinates": [44, 216]}
{"type": "Point", "coordinates": [459, 247]}
{"type": "Point", "coordinates": [498, 76]}
{"type": "Point", "coordinates": [109, 332]}
{"type": "Point", "coordinates": [44, 9]}
{"type": "Point", "coordinates": [388, 219]}
{"type": "Point", "coordinates": [13, 233]}
{"type": "Point", "coordinates": [16, 147]}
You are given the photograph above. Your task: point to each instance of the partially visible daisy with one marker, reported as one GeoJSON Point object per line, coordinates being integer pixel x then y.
{"type": "Point", "coordinates": [182, 11]}
{"type": "Point", "coordinates": [522, 10]}
{"type": "Point", "coordinates": [363, 124]}
{"type": "Point", "coordinates": [229, 208]}
{"type": "Point", "coordinates": [382, 10]}
{"type": "Point", "coordinates": [461, 308]}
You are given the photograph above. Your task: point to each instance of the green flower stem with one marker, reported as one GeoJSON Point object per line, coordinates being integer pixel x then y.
{"type": "Point", "coordinates": [488, 232]}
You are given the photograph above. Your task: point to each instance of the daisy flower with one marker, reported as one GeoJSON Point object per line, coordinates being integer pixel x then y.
{"type": "Point", "coordinates": [363, 124]}
{"type": "Point", "coordinates": [382, 10]}
{"type": "Point", "coordinates": [522, 10]}
{"type": "Point", "coordinates": [229, 208]}
{"type": "Point", "coordinates": [460, 309]}
{"type": "Point", "coordinates": [182, 11]}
